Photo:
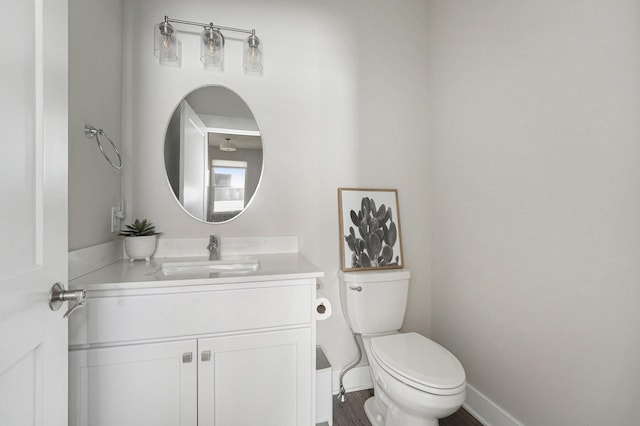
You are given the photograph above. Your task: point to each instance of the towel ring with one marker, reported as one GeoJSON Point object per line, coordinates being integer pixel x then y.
{"type": "Point", "coordinates": [91, 132]}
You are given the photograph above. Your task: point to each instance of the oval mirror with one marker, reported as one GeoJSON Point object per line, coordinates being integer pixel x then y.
{"type": "Point", "coordinates": [213, 154]}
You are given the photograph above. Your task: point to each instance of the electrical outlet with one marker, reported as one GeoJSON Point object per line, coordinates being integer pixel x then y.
{"type": "Point", "coordinates": [117, 214]}
{"type": "Point", "coordinates": [115, 222]}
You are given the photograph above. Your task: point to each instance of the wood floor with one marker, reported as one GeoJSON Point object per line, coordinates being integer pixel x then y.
{"type": "Point", "coordinates": [351, 412]}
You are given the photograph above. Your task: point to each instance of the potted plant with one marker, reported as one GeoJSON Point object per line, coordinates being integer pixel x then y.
{"type": "Point", "coordinates": [139, 239]}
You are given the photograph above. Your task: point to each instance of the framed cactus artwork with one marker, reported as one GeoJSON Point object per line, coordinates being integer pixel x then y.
{"type": "Point", "coordinates": [369, 229]}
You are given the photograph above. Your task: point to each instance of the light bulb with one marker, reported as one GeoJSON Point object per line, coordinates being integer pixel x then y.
{"type": "Point", "coordinates": [252, 58]}
{"type": "Point", "coordinates": [165, 45]}
{"type": "Point", "coordinates": [212, 46]}
{"type": "Point", "coordinates": [253, 53]}
{"type": "Point", "coordinates": [165, 41]}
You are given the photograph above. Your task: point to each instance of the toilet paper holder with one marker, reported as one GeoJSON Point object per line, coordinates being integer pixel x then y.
{"type": "Point", "coordinates": [322, 307]}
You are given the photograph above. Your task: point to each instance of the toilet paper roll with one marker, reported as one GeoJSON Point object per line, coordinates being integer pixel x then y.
{"type": "Point", "coordinates": [323, 308]}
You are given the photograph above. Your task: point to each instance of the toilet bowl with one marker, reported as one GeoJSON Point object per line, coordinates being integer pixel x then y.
{"type": "Point", "coordinates": [416, 381]}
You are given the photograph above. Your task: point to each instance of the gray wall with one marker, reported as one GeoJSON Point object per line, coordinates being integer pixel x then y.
{"type": "Point", "coordinates": [95, 97]}
{"type": "Point", "coordinates": [536, 203]}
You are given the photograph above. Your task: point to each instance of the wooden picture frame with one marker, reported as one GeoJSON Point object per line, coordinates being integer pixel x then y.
{"type": "Point", "coordinates": [370, 236]}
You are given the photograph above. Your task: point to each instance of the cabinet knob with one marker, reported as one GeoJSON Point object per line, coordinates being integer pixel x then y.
{"type": "Point", "coordinates": [187, 357]}
{"type": "Point", "coordinates": [205, 356]}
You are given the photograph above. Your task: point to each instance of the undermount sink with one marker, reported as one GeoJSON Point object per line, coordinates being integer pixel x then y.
{"type": "Point", "coordinates": [235, 264]}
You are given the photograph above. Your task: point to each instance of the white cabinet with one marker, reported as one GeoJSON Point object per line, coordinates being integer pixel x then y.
{"type": "Point", "coordinates": [135, 385]}
{"type": "Point", "coordinates": [216, 355]}
{"type": "Point", "coordinates": [255, 379]}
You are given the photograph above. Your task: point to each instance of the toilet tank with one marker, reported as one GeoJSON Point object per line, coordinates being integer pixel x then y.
{"type": "Point", "coordinates": [374, 301]}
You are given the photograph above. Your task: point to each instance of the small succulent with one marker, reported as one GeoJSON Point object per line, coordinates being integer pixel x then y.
{"type": "Point", "coordinates": [373, 246]}
{"type": "Point", "coordinates": [139, 228]}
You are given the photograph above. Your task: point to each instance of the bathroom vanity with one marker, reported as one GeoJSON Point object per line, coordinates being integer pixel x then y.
{"type": "Point", "coordinates": [194, 347]}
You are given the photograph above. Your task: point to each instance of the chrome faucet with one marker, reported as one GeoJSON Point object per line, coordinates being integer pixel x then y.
{"type": "Point", "coordinates": [214, 248]}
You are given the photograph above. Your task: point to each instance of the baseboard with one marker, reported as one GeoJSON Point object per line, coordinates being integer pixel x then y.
{"type": "Point", "coordinates": [356, 379]}
{"type": "Point", "coordinates": [486, 411]}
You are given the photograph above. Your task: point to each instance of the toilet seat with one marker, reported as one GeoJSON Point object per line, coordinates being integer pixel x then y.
{"type": "Point", "coordinates": [419, 362]}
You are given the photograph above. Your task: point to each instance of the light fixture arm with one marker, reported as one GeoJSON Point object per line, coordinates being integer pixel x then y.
{"type": "Point", "coordinates": [209, 25]}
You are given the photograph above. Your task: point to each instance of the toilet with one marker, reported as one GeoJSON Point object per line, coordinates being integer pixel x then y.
{"type": "Point", "coordinates": [416, 381]}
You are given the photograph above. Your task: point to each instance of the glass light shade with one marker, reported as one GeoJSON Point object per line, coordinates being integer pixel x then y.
{"type": "Point", "coordinates": [212, 48]}
{"type": "Point", "coordinates": [252, 56]}
{"type": "Point", "coordinates": [165, 45]}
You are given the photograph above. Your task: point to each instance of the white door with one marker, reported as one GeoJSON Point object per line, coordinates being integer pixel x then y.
{"type": "Point", "coordinates": [33, 211]}
{"type": "Point", "coordinates": [194, 158]}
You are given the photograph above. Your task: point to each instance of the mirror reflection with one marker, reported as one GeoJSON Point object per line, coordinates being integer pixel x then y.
{"type": "Point", "coordinates": [213, 154]}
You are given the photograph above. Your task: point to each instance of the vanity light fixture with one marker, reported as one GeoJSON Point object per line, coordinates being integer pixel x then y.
{"type": "Point", "coordinates": [211, 44]}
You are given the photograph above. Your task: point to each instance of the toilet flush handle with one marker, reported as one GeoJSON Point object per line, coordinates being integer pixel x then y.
{"type": "Point", "coordinates": [359, 288]}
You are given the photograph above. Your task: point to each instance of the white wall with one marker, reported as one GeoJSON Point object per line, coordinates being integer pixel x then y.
{"type": "Point", "coordinates": [393, 149]}
{"type": "Point", "coordinates": [536, 203]}
{"type": "Point", "coordinates": [329, 112]}
{"type": "Point", "coordinates": [95, 97]}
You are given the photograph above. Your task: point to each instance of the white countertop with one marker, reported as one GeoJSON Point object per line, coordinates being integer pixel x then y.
{"type": "Point", "coordinates": [140, 274]}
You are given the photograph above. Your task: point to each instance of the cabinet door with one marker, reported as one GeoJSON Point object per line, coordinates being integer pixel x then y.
{"type": "Point", "coordinates": [256, 379]}
{"type": "Point", "coordinates": [152, 384]}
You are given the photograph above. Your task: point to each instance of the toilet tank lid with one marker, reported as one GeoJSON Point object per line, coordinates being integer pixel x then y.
{"type": "Point", "coordinates": [374, 275]}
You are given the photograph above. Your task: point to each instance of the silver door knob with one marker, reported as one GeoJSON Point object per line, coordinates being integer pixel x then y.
{"type": "Point", "coordinates": [58, 295]}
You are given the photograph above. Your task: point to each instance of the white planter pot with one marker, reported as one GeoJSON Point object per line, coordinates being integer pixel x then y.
{"type": "Point", "coordinates": [140, 247]}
